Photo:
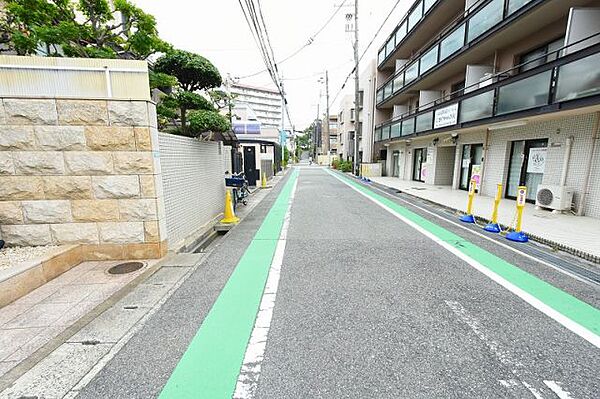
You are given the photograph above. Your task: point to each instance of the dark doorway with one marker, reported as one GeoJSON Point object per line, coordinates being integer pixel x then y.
{"type": "Point", "coordinates": [526, 167]}
{"type": "Point", "coordinates": [470, 167]}
{"type": "Point", "coordinates": [250, 165]}
{"type": "Point", "coordinates": [419, 161]}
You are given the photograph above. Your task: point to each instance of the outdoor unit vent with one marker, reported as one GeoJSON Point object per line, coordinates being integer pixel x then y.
{"type": "Point", "coordinates": [557, 198]}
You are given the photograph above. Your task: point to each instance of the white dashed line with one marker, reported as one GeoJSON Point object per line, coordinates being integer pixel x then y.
{"type": "Point", "coordinates": [247, 382]}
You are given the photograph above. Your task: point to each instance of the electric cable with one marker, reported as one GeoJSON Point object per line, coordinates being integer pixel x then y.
{"type": "Point", "coordinates": [310, 41]}
{"type": "Point", "coordinates": [366, 49]}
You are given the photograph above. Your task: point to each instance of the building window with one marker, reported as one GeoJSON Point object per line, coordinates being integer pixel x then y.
{"type": "Point", "coordinates": [352, 115]}
{"type": "Point", "coordinates": [263, 149]}
{"type": "Point", "coordinates": [541, 55]}
{"type": "Point", "coordinates": [361, 98]}
{"type": "Point", "coordinates": [457, 89]}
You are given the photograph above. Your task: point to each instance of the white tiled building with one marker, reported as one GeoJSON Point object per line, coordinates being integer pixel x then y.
{"type": "Point", "coordinates": [500, 91]}
{"type": "Point", "coordinates": [265, 102]}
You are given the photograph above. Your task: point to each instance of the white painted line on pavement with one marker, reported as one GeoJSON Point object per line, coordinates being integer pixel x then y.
{"type": "Point", "coordinates": [474, 324]}
{"type": "Point", "coordinates": [562, 394]}
{"type": "Point", "coordinates": [247, 382]}
{"type": "Point", "coordinates": [534, 391]}
{"type": "Point", "coordinates": [481, 235]}
{"type": "Point", "coordinates": [527, 297]}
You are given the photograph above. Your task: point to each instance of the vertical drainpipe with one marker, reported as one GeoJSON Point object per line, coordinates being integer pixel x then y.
{"type": "Point", "coordinates": [566, 158]}
{"type": "Point", "coordinates": [483, 164]}
{"type": "Point", "coordinates": [588, 172]}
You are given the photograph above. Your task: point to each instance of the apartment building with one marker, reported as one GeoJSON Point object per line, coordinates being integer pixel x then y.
{"type": "Point", "coordinates": [265, 102]}
{"type": "Point", "coordinates": [498, 91]}
{"type": "Point", "coordinates": [366, 110]}
{"type": "Point", "coordinates": [346, 128]}
{"type": "Point", "coordinates": [332, 136]}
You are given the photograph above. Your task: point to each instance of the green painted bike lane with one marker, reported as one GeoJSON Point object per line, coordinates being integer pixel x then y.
{"type": "Point", "coordinates": [567, 305]}
{"type": "Point", "coordinates": [211, 364]}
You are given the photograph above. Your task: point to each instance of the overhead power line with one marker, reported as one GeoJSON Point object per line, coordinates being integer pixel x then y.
{"type": "Point", "coordinates": [256, 22]}
{"type": "Point", "coordinates": [310, 41]}
{"type": "Point", "coordinates": [366, 49]}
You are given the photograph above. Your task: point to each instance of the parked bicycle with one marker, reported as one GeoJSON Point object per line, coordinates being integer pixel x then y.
{"type": "Point", "coordinates": [240, 191]}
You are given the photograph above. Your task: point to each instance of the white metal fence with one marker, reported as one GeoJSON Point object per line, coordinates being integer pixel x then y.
{"type": "Point", "coordinates": [73, 78]}
{"type": "Point", "coordinates": [193, 174]}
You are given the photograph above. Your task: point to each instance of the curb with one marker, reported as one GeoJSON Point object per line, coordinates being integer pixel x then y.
{"type": "Point", "coordinates": [554, 245]}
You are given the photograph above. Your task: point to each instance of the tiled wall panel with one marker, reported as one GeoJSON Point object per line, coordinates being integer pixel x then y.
{"type": "Point", "coordinates": [193, 182]}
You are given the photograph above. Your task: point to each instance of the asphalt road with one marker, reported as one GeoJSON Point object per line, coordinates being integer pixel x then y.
{"type": "Point", "coordinates": [368, 307]}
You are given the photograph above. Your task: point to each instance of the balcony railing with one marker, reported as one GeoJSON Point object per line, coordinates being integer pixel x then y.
{"type": "Point", "coordinates": [411, 19]}
{"type": "Point", "coordinates": [485, 16]}
{"type": "Point", "coordinates": [545, 88]}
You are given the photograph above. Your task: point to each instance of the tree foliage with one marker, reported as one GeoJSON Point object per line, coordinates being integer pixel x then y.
{"type": "Point", "coordinates": [193, 74]}
{"type": "Point", "coordinates": [204, 121]}
{"type": "Point", "coordinates": [161, 81]}
{"type": "Point", "coordinates": [193, 71]}
{"type": "Point", "coordinates": [84, 28]}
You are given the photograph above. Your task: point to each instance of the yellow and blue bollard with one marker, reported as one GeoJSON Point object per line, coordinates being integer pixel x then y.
{"type": "Point", "coordinates": [493, 226]}
{"type": "Point", "coordinates": [469, 218]}
{"type": "Point", "coordinates": [518, 235]}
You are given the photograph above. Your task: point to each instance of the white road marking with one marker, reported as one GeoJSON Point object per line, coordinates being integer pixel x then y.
{"type": "Point", "coordinates": [474, 324]}
{"type": "Point", "coordinates": [247, 382]}
{"type": "Point", "coordinates": [481, 235]}
{"type": "Point", "coordinates": [524, 295]}
{"type": "Point", "coordinates": [534, 391]}
{"type": "Point", "coordinates": [515, 367]}
{"type": "Point", "coordinates": [562, 394]}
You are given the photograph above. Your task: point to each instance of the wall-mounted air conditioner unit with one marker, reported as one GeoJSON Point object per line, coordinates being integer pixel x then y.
{"type": "Point", "coordinates": [558, 198]}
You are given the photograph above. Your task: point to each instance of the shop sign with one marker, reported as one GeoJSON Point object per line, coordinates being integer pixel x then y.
{"type": "Point", "coordinates": [537, 160]}
{"type": "Point", "coordinates": [447, 116]}
{"type": "Point", "coordinates": [476, 175]}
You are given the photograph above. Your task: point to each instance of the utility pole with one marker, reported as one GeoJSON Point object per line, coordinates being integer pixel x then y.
{"type": "Point", "coordinates": [316, 139]}
{"type": "Point", "coordinates": [326, 143]}
{"type": "Point", "coordinates": [282, 136]}
{"type": "Point", "coordinates": [355, 159]}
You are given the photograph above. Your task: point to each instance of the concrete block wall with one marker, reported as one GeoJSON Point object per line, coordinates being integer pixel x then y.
{"type": "Point", "coordinates": [193, 177]}
{"type": "Point", "coordinates": [81, 172]}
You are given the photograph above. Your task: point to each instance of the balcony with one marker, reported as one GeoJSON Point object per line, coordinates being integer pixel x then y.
{"type": "Point", "coordinates": [419, 24]}
{"type": "Point", "coordinates": [571, 81]}
{"type": "Point", "coordinates": [469, 41]}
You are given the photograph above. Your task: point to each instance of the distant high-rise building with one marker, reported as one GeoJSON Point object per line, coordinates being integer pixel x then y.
{"type": "Point", "coordinates": [265, 102]}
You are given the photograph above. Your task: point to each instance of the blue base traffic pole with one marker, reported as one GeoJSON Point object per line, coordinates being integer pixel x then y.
{"type": "Point", "coordinates": [517, 236]}
{"type": "Point", "coordinates": [492, 228]}
{"type": "Point", "coordinates": [467, 219]}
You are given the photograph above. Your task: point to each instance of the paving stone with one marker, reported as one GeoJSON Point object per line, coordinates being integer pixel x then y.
{"type": "Point", "coordinates": [40, 315]}
{"type": "Point", "coordinates": [12, 339]}
{"type": "Point", "coordinates": [110, 326]}
{"type": "Point", "coordinates": [54, 376]}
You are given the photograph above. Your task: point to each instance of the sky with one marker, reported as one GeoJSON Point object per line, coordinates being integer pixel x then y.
{"type": "Point", "coordinates": [218, 31]}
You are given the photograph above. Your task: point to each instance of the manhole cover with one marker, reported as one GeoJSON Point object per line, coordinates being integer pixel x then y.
{"type": "Point", "coordinates": [124, 268]}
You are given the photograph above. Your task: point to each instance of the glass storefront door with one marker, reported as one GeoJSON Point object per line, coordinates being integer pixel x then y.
{"type": "Point", "coordinates": [419, 161]}
{"type": "Point", "coordinates": [471, 164]}
{"type": "Point", "coordinates": [526, 167]}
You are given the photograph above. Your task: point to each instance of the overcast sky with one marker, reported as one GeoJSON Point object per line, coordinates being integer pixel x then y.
{"type": "Point", "coordinates": [218, 31]}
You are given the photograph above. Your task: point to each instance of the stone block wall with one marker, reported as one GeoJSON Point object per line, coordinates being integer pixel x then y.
{"type": "Point", "coordinates": [84, 172]}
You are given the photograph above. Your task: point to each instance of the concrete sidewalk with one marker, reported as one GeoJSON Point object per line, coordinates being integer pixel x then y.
{"type": "Point", "coordinates": [571, 233]}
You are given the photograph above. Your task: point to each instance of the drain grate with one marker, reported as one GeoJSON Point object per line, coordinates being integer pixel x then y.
{"type": "Point", "coordinates": [124, 268]}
